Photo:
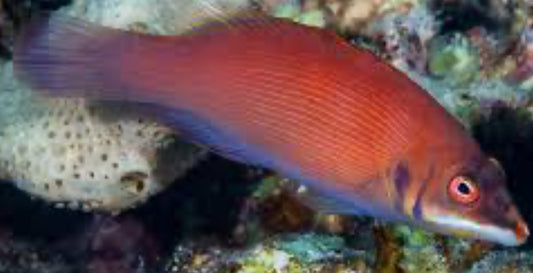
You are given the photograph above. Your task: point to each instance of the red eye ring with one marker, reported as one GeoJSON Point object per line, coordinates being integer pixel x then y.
{"type": "Point", "coordinates": [463, 190]}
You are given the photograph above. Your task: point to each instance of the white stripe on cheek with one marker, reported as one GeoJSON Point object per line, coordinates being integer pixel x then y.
{"type": "Point", "coordinates": [485, 232]}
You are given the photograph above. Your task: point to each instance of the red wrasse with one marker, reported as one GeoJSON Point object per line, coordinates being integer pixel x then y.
{"type": "Point", "coordinates": [359, 134]}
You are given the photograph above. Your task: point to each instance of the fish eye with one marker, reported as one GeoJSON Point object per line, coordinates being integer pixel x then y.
{"type": "Point", "coordinates": [463, 190]}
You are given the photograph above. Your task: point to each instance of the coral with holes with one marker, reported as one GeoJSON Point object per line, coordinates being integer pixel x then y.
{"type": "Point", "coordinates": [82, 156]}
{"type": "Point", "coordinates": [88, 155]}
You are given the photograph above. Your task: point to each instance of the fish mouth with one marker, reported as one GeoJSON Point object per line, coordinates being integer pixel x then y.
{"type": "Point", "coordinates": [456, 225]}
{"type": "Point", "coordinates": [522, 231]}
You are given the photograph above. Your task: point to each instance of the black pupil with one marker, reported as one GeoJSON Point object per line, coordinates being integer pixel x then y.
{"type": "Point", "coordinates": [463, 188]}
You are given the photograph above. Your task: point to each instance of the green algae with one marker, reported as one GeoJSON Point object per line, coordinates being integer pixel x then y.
{"type": "Point", "coordinates": [266, 187]}
{"type": "Point", "coordinates": [454, 59]}
{"type": "Point", "coordinates": [419, 252]}
{"type": "Point", "coordinates": [289, 11]}
{"type": "Point", "coordinates": [314, 17]}
{"type": "Point", "coordinates": [413, 237]}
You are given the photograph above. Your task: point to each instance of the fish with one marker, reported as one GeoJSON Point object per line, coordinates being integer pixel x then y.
{"type": "Point", "coordinates": [360, 135]}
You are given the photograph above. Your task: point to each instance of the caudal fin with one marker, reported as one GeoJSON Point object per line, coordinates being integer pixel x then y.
{"type": "Point", "coordinates": [64, 56]}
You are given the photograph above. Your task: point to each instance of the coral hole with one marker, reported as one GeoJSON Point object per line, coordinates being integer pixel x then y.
{"type": "Point", "coordinates": [134, 182]}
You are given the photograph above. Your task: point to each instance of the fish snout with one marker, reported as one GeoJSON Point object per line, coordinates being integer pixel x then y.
{"type": "Point", "coordinates": [521, 231]}
{"type": "Point", "coordinates": [516, 224]}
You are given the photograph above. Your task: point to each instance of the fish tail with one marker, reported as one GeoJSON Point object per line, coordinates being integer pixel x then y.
{"type": "Point", "coordinates": [63, 56]}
